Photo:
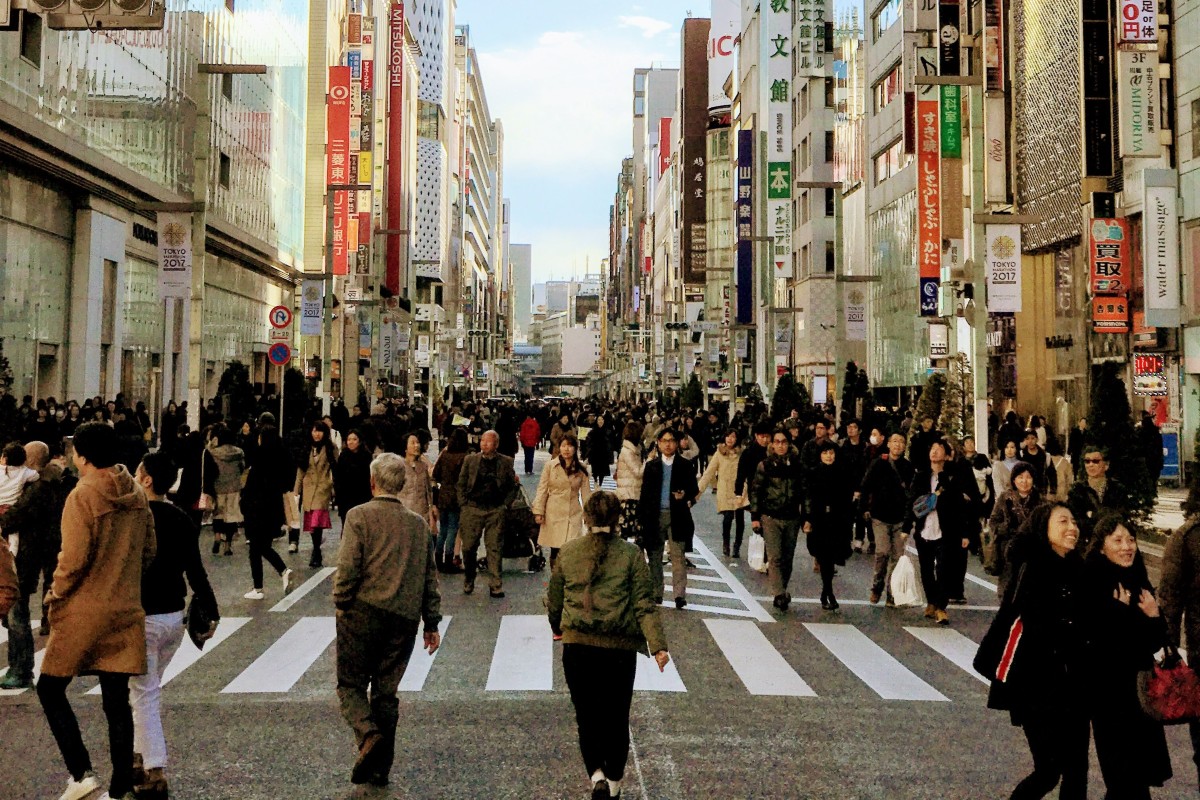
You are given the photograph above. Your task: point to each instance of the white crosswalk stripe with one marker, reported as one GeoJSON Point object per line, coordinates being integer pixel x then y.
{"type": "Point", "coordinates": [877, 668]}
{"type": "Point", "coordinates": [286, 661]}
{"type": "Point", "coordinates": [421, 662]}
{"type": "Point", "coordinates": [523, 658]}
{"type": "Point", "coordinates": [759, 665]}
{"type": "Point", "coordinates": [956, 648]}
{"type": "Point", "coordinates": [188, 654]}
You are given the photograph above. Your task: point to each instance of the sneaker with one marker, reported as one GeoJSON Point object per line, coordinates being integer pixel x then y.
{"type": "Point", "coordinates": [153, 785]}
{"type": "Point", "coordinates": [857, 546]}
{"type": "Point", "coordinates": [289, 580]}
{"type": "Point", "coordinates": [890, 602]}
{"type": "Point", "coordinates": [293, 548]}
{"type": "Point", "coordinates": [254, 594]}
{"type": "Point", "coordinates": [12, 682]}
{"type": "Point", "coordinates": [496, 593]}
{"type": "Point", "coordinates": [79, 789]}
{"type": "Point", "coordinates": [942, 617]}
{"type": "Point", "coordinates": [874, 598]}
{"type": "Point", "coordinates": [833, 603]}
{"type": "Point", "coordinates": [468, 587]}
{"type": "Point", "coordinates": [600, 790]}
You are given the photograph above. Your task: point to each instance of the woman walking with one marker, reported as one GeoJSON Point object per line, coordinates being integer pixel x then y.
{"type": "Point", "coordinates": [231, 467]}
{"type": "Point", "coordinates": [722, 468]}
{"type": "Point", "coordinates": [561, 428]}
{"type": "Point", "coordinates": [1011, 512]}
{"type": "Point", "coordinates": [1044, 690]}
{"type": "Point", "coordinates": [352, 475]}
{"type": "Point", "coordinates": [601, 603]}
{"type": "Point", "coordinates": [599, 451]}
{"type": "Point", "coordinates": [445, 474]}
{"type": "Point", "coordinates": [314, 484]}
{"type": "Point", "coordinates": [827, 519]}
{"type": "Point", "coordinates": [561, 493]}
{"type": "Point", "coordinates": [630, 467]}
{"type": "Point", "coordinates": [417, 494]}
{"type": "Point", "coordinates": [267, 480]}
{"type": "Point", "coordinates": [1124, 629]}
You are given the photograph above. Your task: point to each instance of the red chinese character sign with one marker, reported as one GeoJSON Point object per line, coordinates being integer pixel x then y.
{"type": "Point", "coordinates": [929, 204]}
{"type": "Point", "coordinates": [1139, 21]}
{"type": "Point", "coordinates": [1108, 254]}
{"type": "Point", "coordinates": [1110, 315]}
{"type": "Point", "coordinates": [337, 120]}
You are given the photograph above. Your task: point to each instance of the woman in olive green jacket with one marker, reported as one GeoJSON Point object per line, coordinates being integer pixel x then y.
{"type": "Point", "coordinates": [601, 604]}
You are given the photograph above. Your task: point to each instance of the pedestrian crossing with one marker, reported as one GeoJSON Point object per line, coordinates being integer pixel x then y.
{"type": "Point", "coordinates": [523, 659]}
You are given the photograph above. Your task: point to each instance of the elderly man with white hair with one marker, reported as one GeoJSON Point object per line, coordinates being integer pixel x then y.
{"type": "Point", "coordinates": [386, 585]}
{"type": "Point", "coordinates": [485, 483]}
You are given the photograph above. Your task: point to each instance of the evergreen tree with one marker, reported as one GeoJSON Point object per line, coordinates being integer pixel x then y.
{"type": "Point", "coordinates": [237, 394]}
{"type": "Point", "coordinates": [957, 417]}
{"type": "Point", "coordinates": [295, 400]}
{"type": "Point", "coordinates": [693, 394]}
{"type": "Point", "coordinates": [929, 404]}
{"type": "Point", "coordinates": [1110, 426]}
{"type": "Point", "coordinates": [788, 395]}
{"type": "Point", "coordinates": [849, 394]}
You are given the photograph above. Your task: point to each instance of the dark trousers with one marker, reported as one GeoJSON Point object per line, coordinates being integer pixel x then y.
{"type": "Point", "coordinates": [20, 640]}
{"type": "Point", "coordinates": [955, 559]}
{"type": "Point", "coordinates": [1125, 778]}
{"type": "Point", "coordinates": [114, 688]}
{"type": "Point", "coordinates": [373, 649]}
{"type": "Point", "coordinates": [935, 567]}
{"type": "Point", "coordinates": [261, 548]}
{"type": "Point", "coordinates": [1194, 730]}
{"type": "Point", "coordinates": [601, 684]}
{"type": "Point", "coordinates": [486, 523]}
{"type": "Point", "coordinates": [1058, 742]}
{"type": "Point", "coordinates": [728, 518]}
{"type": "Point", "coordinates": [529, 451]}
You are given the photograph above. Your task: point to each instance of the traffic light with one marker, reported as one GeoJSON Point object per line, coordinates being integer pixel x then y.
{"type": "Point", "coordinates": [676, 326]}
{"type": "Point", "coordinates": [479, 333]}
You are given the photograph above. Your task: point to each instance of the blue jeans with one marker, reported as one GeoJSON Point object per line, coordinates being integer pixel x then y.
{"type": "Point", "coordinates": [447, 533]}
{"type": "Point", "coordinates": [20, 640]}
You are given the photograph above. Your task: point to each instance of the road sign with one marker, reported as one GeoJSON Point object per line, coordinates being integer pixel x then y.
{"type": "Point", "coordinates": [280, 353]}
{"type": "Point", "coordinates": [280, 335]}
{"type": "Point", "coordinates": [280, 317]}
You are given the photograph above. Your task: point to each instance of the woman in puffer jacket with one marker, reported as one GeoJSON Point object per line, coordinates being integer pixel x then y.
{"type": "Point", "coordinates": [630, 466]}
{"type": "Point", "coordinates": [722, 469]}
{"type": "Point", "coordinates": [601, 601]}
{"type": "Point", "coordinates": [231, 467]}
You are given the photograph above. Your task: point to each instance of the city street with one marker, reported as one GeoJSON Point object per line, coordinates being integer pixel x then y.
{"type": "Point", "coordinates": [861, 703]}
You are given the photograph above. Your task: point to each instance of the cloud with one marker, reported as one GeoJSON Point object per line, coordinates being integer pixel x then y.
{"type": "Point", "coordinates": [649, 26]}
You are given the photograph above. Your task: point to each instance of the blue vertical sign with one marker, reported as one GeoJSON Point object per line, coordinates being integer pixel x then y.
{"type": "Point", "coordinates": [745, 227]}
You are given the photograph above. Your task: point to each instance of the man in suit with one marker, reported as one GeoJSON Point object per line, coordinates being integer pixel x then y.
{"type": "Point", "coordinates": [669, 490]}
{"type": "Point", "coordinates": [487, 480]}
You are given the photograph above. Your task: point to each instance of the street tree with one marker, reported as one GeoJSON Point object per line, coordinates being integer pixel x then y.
{"type": "Point", "coordinates": [1110, 426]}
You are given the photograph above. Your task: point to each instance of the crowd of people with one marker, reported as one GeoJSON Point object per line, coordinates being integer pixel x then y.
{"type": "Point", "coordinates": [106, 524]}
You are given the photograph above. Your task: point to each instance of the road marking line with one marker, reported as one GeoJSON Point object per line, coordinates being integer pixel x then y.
{"type": "Point", "coordinates": [300, 591]}
{"type": "Point", "coordinates": [421, 661]}
{"type": "Point", "coordinates": [874, 666]}
{"type": "Point", "coordinates": [691, 577]}
{"type": "Point", "coordinates": [34, 624]}
{"type": "Point", "coordinates": [286, 661]}
{"type": "Point", "coordinates": [669, 589]}
{"type": "Point", "coordinates": [649, 679]}
{"type": "Point", "coordinates": [524, 655]}
{"type": "Point", "coordinates": [951, 645]}
{"type": "Point", "coordinates": [759, 665]}
{"type": "Point", "coordinates": [815, 601]}
{"type": "Point", "coordinates": [731, 612]}
{"type": "Point", "coordinates": [977, 581]}
{"type": "Point", "coordinates": [743, 594]}
{"type": "Point", "coordinates": [188, 654]}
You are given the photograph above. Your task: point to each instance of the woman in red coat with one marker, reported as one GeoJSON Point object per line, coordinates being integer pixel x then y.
{"type": "Point", "coordinates": [530, 435]}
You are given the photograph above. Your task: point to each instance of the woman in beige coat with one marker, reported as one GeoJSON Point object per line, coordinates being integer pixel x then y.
{"type": "Point", "coordinates": [314, 484]}
{"type": "Point", "coordinates": [722, 469]}
{"type": "Point", "coordinates": [417, 494]}
{"type": "Point", "coordinates": [95, 607]}
{"type": "Point", "coordinates": [561, 493]}
{"type": "Point", "coordinates": [630, 466]}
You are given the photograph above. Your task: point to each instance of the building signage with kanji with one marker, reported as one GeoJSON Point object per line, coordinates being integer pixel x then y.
{"type": "Point", "coordinates": [1108, 254]}
{"type": "Point", "coordinates": [1110, 314]}
{"type": "Point", "coordinates": [929, 205]}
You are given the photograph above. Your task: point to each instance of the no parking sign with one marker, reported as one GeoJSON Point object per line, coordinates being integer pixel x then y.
{"type": "Point", "coordinates": [280, 353]}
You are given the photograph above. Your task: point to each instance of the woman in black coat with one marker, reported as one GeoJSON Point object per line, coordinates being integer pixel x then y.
{"type": "Point", "coordinates": [1045, 689]}
{"type": "Point", "coordinates": [599, 451]}
{"type": "Point", "coordinates": [270, 475]}
{"type": "Point", "coordinates": [827, 518]}
{"type": "Point", "coordinates": [1124, 629]}
{"type": "Point", "coordinates": [352, 475]}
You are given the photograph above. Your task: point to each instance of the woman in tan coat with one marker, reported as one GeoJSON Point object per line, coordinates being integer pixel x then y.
{"type": "Point", "coordinates": [95, 608]}
{"type": "Point", "coordinates": [314, 484]}
{"type": "Point", "coordinates": [417, 494]}
{"type": "Point", "coordinates": [561, 493]}
{"type": "Point", "coordinates": [722, 469]}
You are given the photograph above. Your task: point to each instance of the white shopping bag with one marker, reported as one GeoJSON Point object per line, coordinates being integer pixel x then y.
{"type": "Point", "coordinates": [756, 555]}
{"type": "Point", "coordinates": [906, 587]}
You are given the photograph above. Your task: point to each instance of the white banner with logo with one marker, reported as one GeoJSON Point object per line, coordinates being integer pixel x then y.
{"type": "Point", "coordinates": [995, 142]}
{"type": "Point", "coordinates": [854, 304]}
{"type": "Point", "coordinates": [312, 300]}
{"type": "Point", "coordinates": [1003, 268]}
{"type": "Point", "coordinates": [174, 255]}
{"type": "Point", "coordinates": [1160, 248]}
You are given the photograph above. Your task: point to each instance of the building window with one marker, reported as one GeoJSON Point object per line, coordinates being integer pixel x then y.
{"type": "Point", "coordinates": [888, 88]}
{"type": "Point", "coordinates": [830, 259]}
{"type": "Point", "coordinates": [805, 269]}
{"type": "Point", "coordinates": [227, 85]}
{"type": "Point", "coordinates": [804, 100]}
{"type": "Point", "coordinates": [885, 18]}
{"type": "Point", "coordinates": [639, 81]}
{"type": "Point", "coordinates": [890, 161]}
{"type": "Point", "coordinates": [829, 92]}
{"type": "Point", "coordinates": [226, 171]}
{"type": "Point", "coordinates": [1196, 128]}
{"type": "Point", "coordinates": [804, 207]}
{"type": "Point", "coordinates": [805, 156]}
{"type": "Point", "coordinates": [639, 106]}
{"type": "Point", "coordinates": [829, 202]}
{"type": "Point", "coordinates": [31, 38]}
{"type": "Point", "coordinates": [428, 120]}
{"type": "Point", "coordinates": [829, 147]}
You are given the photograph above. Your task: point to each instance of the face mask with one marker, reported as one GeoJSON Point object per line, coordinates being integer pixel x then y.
{"type": "Point", "coordinates": [876, 439]}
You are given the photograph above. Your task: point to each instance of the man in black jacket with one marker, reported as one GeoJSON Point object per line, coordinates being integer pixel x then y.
{"type": "Point", "coordinates": [669, 490]}
{"type": "Point", "coordinates": [775, 509]}
{"type": "Point", "coordinates": [1045, 476]}
{"type": "Point", "coordinates": [485, 483]}
{"type": "Point", "coordinates": [751, 457]}
{"type": "Point", "coordinates": [164, 595]}
{"type": "Point", "coordinates": [884, 495]}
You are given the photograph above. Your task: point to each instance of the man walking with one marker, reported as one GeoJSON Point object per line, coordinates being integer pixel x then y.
{"type": "Point", "coordinates": [885, 496]}
{"type": "Point", "coordinates": [669, 490]}
{"type": "Point", "coordinates": [530, 435]}
{"type": "Point", "coordinates": [484, 485]}
{"type": "Point", "coordinates": [386, 584]}
{"type": "Point", "coordinates": [775, 508]}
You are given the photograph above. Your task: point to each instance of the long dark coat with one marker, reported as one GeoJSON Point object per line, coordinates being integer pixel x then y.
{"type": "Point", "coordinates": [683, 478]}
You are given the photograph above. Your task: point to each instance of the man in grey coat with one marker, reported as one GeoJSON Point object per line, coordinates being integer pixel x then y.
{"type": "Point", "coordinates": [485, 483]}
{"type": "Point", "coordinates": [386, 584]}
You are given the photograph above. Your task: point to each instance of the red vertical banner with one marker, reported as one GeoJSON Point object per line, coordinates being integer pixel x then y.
{"type": "Point", "coordinates": [929, 204]}
{"type": "Point", "coordinates": [664, 145]}
{"type": "Point", "coordinates": [340, 224]}
{"type": "Point", "coordinates": [337, 125]}
{"type": "Point", "coordinates": [395, 144]}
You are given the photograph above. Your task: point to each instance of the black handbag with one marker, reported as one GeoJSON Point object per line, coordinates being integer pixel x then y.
{"type": "Point", "coordinates": [201, 622]}
{"type": "Point", "coordinates": [998, 649]}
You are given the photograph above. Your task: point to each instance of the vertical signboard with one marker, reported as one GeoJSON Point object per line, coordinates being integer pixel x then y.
{"type": "Point", "coordinates": [1160, 248]}
{"type": "Point", "coordinates": [929, 205]}
{"type": "Point", "coordinates": [664, 145]}
{"type": "Point", "coordinates": [692, 173]}
{"type": "Point", "coordinates": [779, 136]}
{"type": "Point", "coordinates": [337, 124]}
{"type": "Point", "coordinates": [722, 39]}
{"type": "Point", "coordinates": [1108, 256]}
{"type": "Point", "coordinates": [854, 302]}
{"type": "Point", "coordinates": [1003, 243]}
{"type": "Point", "coordinates": [1139, 21]}
{"type": "Point", "coordinates": [745, 227]}
{"type": "Point", "coordinates": [995, 143]}
{"type": "Point", "coordinates": [993, 45]}
{"type": "Point", "coordinates": [1137, 103]}
{"type": "Point", "coordinates": [949, 54]}
{"type": "Point", "coordinates": [312, 300]}
{"type": "Point", "coordinates": [340, 263]}
{"type": "Point", "coordinates": [951, 122]}
{"type": "Point", "coordinates": [174, 255]}
{"type": "Point", "coordinates": [395, 144]}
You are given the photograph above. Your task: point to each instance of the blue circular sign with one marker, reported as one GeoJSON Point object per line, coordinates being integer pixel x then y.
{"type": "Point", "coordinates": [280, 353]}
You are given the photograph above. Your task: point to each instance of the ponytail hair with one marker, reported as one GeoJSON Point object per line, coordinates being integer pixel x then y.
{"type": "Point", "coordinates": [602, 512]}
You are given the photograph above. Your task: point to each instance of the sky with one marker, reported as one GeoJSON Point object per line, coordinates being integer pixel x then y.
{"type": "Point", "coordinates": [559, 74]}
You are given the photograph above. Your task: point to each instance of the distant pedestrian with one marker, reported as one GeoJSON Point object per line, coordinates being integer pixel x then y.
{"type": "Point", "coordinates": [630, 466]}
{"type": "Point", "coordinates": [314, 484]}
{"type": "Point", "coordinates": [599, 451]}
{"type": "Point", "coordinates": [776, 511]}
{"type": "Point", "coordinates": [827, 503]}
{"type": "Point", "coordinates": [486, 482]}
{"type": "Point", "coordinates": [601, 602]}
{"type": "Point", "coordinates": [267, 480]}
{"type": "Point", "coordinates": [95, 608]}
{"type": "Point", "coordinates": [385, 587]}
{"type": "Point", "coordinates": [231, 471]}
{"type": "Point", "coordinates": [530, 435]}
{"type": "Point", "coordinates": [1094, 491]}
{"type": "Point", "coordinates": [722, 471]}
{"type": "Point", "coordinates": [352, 475]}
{"type": "Point", "coordinates": [885, 497]}
{"type": "Point", "coordinates": [446, 470]}
{"type": "Point", "coordinates": [417, 494]}
{"type": "Point", "coordinates": [669, 491]}
{"type": "Point", "coordinates": [561, 492]}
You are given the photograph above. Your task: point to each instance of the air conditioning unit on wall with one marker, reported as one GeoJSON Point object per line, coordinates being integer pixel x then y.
{"type": "Point", "coordinates": [95, 15]}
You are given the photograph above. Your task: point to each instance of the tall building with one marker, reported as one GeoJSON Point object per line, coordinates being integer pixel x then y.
{"type": "Point", "coordinates": [520, 256]}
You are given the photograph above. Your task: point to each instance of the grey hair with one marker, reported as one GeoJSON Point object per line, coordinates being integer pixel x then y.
{"type": "Point", "coordinates": [387, 473]}
{"type": "Point", "coordinates": [491, 433]}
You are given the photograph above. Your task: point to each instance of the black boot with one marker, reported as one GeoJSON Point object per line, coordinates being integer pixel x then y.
{"type": "Point", "coordinates": [316, 562]}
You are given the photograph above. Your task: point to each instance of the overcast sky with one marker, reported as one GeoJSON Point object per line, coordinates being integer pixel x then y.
{"type": "Point", "coordinates": [559, 73]}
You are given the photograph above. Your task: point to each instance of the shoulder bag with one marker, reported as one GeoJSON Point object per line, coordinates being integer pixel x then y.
{"type": "Point", "coordinates": [999, 649]}
{"type": "Point", "coordinates": [1169, 692]}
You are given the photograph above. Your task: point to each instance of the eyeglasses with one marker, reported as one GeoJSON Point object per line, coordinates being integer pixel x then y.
{"type": "Point", "coordinates": [1093, 461]}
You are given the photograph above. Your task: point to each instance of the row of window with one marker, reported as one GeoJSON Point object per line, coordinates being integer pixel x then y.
{"type": "Point", "coordinates": [802, 157]}
{"type": "Point", "coordinates": [889, 88]}
{"type": "Point", "coordinates": [802, 261]}
{"type": "Point", "coordinates": [890, 161]}
{"type": "Point", "coordinates": [887, 16]}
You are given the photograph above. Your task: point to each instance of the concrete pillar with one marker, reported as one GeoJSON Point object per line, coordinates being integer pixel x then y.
{"type": "Point", "coordinates": [99, 240]}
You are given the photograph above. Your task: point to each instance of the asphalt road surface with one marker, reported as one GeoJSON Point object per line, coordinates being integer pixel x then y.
{"type": "Point", "coordinates": [865, 702]}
